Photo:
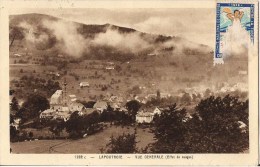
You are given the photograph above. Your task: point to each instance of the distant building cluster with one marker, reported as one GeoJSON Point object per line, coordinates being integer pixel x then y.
{"type": "Point", "coordinates": [61, 107]}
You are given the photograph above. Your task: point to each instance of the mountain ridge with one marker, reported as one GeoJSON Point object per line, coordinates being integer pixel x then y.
{"type": "Point", "coordinates": [95, 40]}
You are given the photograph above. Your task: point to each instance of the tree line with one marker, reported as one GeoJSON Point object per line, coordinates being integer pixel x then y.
{"type": "Point", "coordinates": [215, 127]}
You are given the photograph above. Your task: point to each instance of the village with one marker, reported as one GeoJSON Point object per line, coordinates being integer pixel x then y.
{"type": "Point", "coordinates": [62, 105]}
{"type": "Point", "coordinates": [107, 88]}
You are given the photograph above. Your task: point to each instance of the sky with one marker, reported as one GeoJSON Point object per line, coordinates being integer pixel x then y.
{"type": "Point", "coordinates": [196, 25]}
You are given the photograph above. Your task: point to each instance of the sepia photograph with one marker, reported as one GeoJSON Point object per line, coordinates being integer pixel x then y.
{"type": "Point", "coordinates": [130, 80]}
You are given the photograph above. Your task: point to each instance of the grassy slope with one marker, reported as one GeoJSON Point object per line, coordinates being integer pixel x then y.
{"type": "Point", "coordinates": [90, 144]}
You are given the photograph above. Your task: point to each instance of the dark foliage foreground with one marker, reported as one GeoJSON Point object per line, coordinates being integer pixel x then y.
{"type": "Point", "coordinates": [214, 128]}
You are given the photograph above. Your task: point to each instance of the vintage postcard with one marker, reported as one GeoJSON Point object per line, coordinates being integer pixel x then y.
{"type": "Point", "coordinates": [129, 82]}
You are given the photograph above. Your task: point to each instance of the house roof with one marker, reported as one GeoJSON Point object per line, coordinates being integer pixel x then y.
{"type": "Point", "coordinates": [88, 111]}
{"type": "Point", "coordinates": [72, 96]}
{"type": "Point", "coordinates": [149, 109]}
{"type": "Point", "coordinates": [48, 111]}
{"type": "Point", "coordinates": [100, 104]}
{"type": "Point", "coordinates": [84, 83]}
{"type": "Point", "coordinates": [123, 109]}
{"type": "Point", "coordinates": [76, 104]}
{"type": "Point", "coordinates": [57, 94]}
{"type": "Point", "coordinates": [115, 105]}
{"type": "Point", "coordinates": [65, 109]}
{"type": "Point", "coordinates": [63, 114]}
{"type": "Point", "coordinates": [74, 99]}
{"type": "Point", "coordinates": [144, 114]}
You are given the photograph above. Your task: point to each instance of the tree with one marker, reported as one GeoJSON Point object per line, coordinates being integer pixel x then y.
{"type": "Point", "coordinates": [186, 98]}
{"type": "Point", "coordinates": [116, 116]}
{"type": "Point", "coordinates": [11, 119]}
{"type": "Point", "coordinates": [135, 90]}
{"type": "Point", "coordinates": [78, 125]}
{"type": "Point", "coordinates": [51, 86]}
{"type": "Point", "coordinates": [32, 106]}
{"type": "Point", "coordinates": [214, 128]}
{"type": "Point", "coordinates": [207, 93]}
{"type": "Point", "coordinates": [118, 68]}
{"type": "Point", "coordinates": [133, 106]}
{"type": "Point", "coordinates": [158, 94]}
{"type": "Point", "coordinates": [13, 133]}
{"type": "Point", "coordinates": [14, 106]}
{"type": "Point", "coordinates": [125, 143]}
{"type": "Point", "coordinates": [169, 131]}
{"type": "Point", "coordinates": [30, 135]}
{"type": "Point", "coordinates": [219, 126]}
{"type": "Point", "coordinates": [56, 127]}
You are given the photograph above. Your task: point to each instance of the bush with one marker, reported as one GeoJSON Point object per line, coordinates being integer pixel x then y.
{"type": "Point", "coordinates": [125, 143]}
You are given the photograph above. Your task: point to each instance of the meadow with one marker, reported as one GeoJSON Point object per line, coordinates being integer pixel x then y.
{"type": "Point", "coordinates": [89, 144]}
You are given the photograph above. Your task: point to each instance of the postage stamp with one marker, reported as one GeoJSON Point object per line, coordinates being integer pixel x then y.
{"type": "Point", "coordinates": [234, 29]}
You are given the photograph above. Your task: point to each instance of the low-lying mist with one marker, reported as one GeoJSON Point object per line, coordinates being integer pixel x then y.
{"type": "Point", "coordinates": [66, 37]}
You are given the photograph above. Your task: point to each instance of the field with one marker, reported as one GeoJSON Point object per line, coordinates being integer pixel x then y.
{"type": "Point", "coordinates": [89, 144]}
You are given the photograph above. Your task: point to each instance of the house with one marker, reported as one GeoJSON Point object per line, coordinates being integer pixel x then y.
{"type": "Point", "coordinates": [97, 66]}
{"type": "Point", "coordinates": [110, 63]}
{"type": "Point", "coordinates": [123, 109]}
{"type": "Point", "coordinates": [47, 114]}
{"type": "Point", "coordinates": [87, 111]}
{"type": "Point", "coordinates": [146, 115]}
{"type": "Point", "coordinates": [62, 116]}
{"type": "Point", "coordinates": [17, 55]}
{"type": "Point", "coordinates": [72, 96]}
{"type": "Point", "coordinates": [153, 110]}
{"type": "Point", "coordinates": [151, 96]}
{"type": "Point", "coordinates": [62, 112]}
{"type": "Point", "coordinates": [242, 126]}
{"type": "Point", "coordinates": [151, 54]}
{"type": "Point", "coordinates": [115, 106]}
{"type": "Point", "coordinates": [100, 106]}
{"type": "Point", "coordinates": [84, 84]}
{"type": "Point", "coordinates": [65, 109]}
{"type": "Point", "coordinates": [113, 98]}
{"type": "Point", "coordinates": [157, 110]}
{"type": "Point", "coordinates": [75, 106]}
{"type": "Point", "coordinates": [110, 68]}
{"type": "Point", "coordinates": [165, 95]}
{"type": "Point", "coordinates": [73, 100]}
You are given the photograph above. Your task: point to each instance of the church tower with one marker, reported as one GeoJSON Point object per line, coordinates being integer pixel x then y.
{"type": "Point", "coordinates": [64, 94]}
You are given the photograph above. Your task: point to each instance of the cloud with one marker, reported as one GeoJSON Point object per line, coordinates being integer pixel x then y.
{"type": "Point", "coordinates": [70, 41]}
{"type": "Point", "coordinates": [164, 26]}
{"type": "Point", "coordinates": [125, 42]}
{"type": "Point", "coordinates": [197, 25]}
{"type": "Point", "coordinates": [191, 27]}
{"type": "Point", "coordinates": [32, 36]}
